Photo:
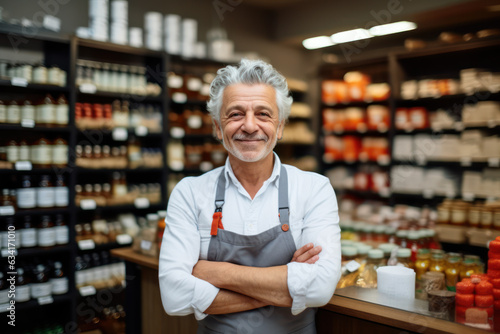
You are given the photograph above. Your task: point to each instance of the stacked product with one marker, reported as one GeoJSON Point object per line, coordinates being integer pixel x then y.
{"type": "Point", "coordinates": [99, 19]}
{"type": "Point", "coordinates": [494, 270]}
{"type": "Point", "coordinates": [153, 28]}
{"type": "Point", "coordinates": [474, 301]}
{"type": "Point", "coordinates": [119, 21]}
{"type": "Point", "coordinates": [172, 34]}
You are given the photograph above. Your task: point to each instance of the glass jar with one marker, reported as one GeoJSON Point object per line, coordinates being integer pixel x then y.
{"type": "Point", "coordinates": [61, 192]}
{"type": "Point", "coordinates": [45, 196]}
{"type": "Point", "coordinates": [61, 112]}
{"type": "Point", "coordinates": [443, 212]}
{"type": "Point", "coordinates": [368, 277]}
{"type": "Point", "coordinates": [458, 213]}
{"type": "Point", "coordinates": [402, 238]}
{"type": "Point", "coordinates": [474, 215]}
{"type": "Point", "coordinates": [12, 151]}
{"type": "Point", "coordinates": [59, 280]}
{"type": "Point", "coordinates": [413, 243]}
{"type": "Point", "coordinates": [28, 233]}
{"type": "Point", "coordinates": [437, 262]}
{"type": "Point", "coordinates": [41, 153]}
{"type": "Point", "coordinates": [28, 112]}
{"type": "Point", "coordinates": [61, 230]}
{"type": "Point", "coordinates": [13, 113]}
{"type": "Point", "coordinates": [45, 111]}
{"type": "Point", "coordinates": [26, 193]}
{"type": "Point", "coordinates": [403, 258]}
{"type": "Point", "coordinates": [54, 75]}
{"type": "Point", "coordinates": [486, 217]}
{"type": "Point", "coordinates": [40, 74]}
{"type": "Point", "coordinates": [452, 271]}
{"type": "Point", "coordinates": [469, 267]}
{"type": "Point", "coordinates": [60, 152]}
{"type": "Point", "coordinates": [40, 286]}
{"type": "Point", "coordinates": [46, 232]}
{"type": "Point", "coordinates": [422, 263]}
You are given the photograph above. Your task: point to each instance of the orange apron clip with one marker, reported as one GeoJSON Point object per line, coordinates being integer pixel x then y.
{"type": "Point", "coordinates": [216, 223]}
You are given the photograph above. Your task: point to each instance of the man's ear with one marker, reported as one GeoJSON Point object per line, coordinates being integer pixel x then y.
{"type": "Point", "coordinates": [217, 130]}
{"type": "Point", "coordinates": [281, 127]}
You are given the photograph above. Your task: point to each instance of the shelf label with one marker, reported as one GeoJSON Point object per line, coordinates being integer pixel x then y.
{"type": "Point", "coordinates": [7, 210]}
{"type": "Point", "coordinates": [88, 290]}
{"type": "Point", "coordinates": [88, 204]}
{"type": "Point", "coordinates": [86, 244]}
{"type": "Point", "coordinates": [428, 193]}
{"type": "Point", "coordinates": [146, 245]}
{"type": "Point", "coordinates": [465, 161]}
{"type": "Point", "coordinates": [141, 203]}
{"type": "Point", "coordinates": [468, 197]}
{"type": "Point", "coordinates": [123, 239]}
{"type": "Point", "coordinates": [88, 88]}
{"type": "Point", "coordinates": [45, 300]}
{"type": "Point", "coordinates": [3, 307]}
{"type": "Point", "coordinates": [141, 131]}
{"type": "Point", "coordinates": [177, 132]}
{"type": "Point", "coordinates": [28, 123]}
{"type": "Point", "coordinates": [23, 165]}
{"type": "Point", "coordinates": [120, 134]}
{"type": "Point", "coordinates": [20, 82]}
{"type": "Point", "coordinates": [9, 252]}
{"type": "Point", "coordinates": [494, 162]}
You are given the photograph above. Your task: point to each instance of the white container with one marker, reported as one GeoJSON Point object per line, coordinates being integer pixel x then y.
{"type": "Point", "coordinates": [135, 37]}
{"type": "Point", "coordinates": [173, 34]}
{"type": "Point", "coordinates": [98, 8]}
{"type": "Point", "coordinates": [153, 22]}
{"type": "Point", "coordinates": [119, 33]}
{"type": "Point", "coordinates": [222, 50]}
{"type": "Point", "coordinates": [119, 11]}
{"type": "Point", "coordinates": [154, 41]}
{"type": "Point", "coordinates": [189, 37]}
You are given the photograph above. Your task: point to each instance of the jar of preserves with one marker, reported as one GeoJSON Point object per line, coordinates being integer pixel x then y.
{"type": "Point", "coordinates": [423, 262]}
{"type": "Point", "coordinates": [61, 112]}
{"type": "Point", "coordinates": [45, 111]}
{"type": "Point", "coordinates": [443, 212]}
{"type": "Point", "coordinates": [437, 261]}
{"type": "Point", "coordinates": [452, 271]}
{"type": "Point", "coordinates": [13, 113]}
{"type": "Point", "coordinates": [474, 215]}
{"type": "Point", "coordinates": [60, 152]}
{"type": "Point", "coordinates": [469, 267]}
{"type": "Point", "coordinates": [458, 213]}
{"type": "Point", "coordinates": [41, 153]}
{"type": "Point", "coordinates": [403, 258]}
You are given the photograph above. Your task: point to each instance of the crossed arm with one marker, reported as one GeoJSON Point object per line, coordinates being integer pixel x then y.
{"type": "Point", "coordinates": [244, 288]}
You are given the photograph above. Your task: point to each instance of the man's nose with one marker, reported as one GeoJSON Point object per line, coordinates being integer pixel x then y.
{"type": "Point", "coordinates": [250, 123]}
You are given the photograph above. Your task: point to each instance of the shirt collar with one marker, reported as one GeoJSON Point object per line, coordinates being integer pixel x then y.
{"type": "Point", "coordinates": [272, 179]}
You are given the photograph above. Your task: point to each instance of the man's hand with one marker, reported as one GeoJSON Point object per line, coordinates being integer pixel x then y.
{"type": "Point", "coordinates": [307, 254]}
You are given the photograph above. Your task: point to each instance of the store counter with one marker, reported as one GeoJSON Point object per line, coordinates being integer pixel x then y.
{"type": "Point", "coordinates": [351, 310]}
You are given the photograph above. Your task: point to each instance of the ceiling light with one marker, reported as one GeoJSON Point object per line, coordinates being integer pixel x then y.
{"type": "Point", "coordinates": [317, 42]}
{"type": "Point", "coordinates": [351, 35]}
{"type": "Point", "coordinates": [392, 28]}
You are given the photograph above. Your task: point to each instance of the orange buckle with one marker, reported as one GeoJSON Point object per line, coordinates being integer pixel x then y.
{"type": "Point", "coordinates": [285, 227]}
{"type": "Point", "coordinates": [216, 223]}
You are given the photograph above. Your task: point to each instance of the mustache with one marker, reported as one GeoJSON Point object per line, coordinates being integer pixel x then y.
{"type": "Point", "coordinates": [255, 136]}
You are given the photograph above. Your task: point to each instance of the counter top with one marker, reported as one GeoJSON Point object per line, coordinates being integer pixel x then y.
{"type": "Point", "coordinates": [367, 304]}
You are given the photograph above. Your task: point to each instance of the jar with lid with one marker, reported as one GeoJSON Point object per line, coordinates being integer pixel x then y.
{"type": "Point", "coordinates": [13, 113]}
{"type": "Point", "coordinates": [61, 112]}
{"type": "Point", "coordinates": [22, 286]}
{"type": "Point", "coordinates": [60, 152]}
{"type": "Point", "coordinates": [28, 112]}
{"type": "Point", "coordinates": [437, 262]}
{"type": "Point", "coordinates": [40, 75]}
{"type": "Point", "coordinates": [59, 279]}
{"type": "Point", "coordinates": [26, 72]}
{"type": "Point", "coordinates": [26, 193]}
{"type": "Point", "coordinates": [41, 153]}
{"type": "Point", "coordinates": [40, 286]}
{"type": "Point", "coordinates": [54, 75]}
{"type": "Point", "coordinates": [452, 271]}
{"type": "Point", "coordinates": [458, 213]}
{"type": "Point", "coordinates": [3, 112]}
{"type": "Point", "coordinates": [46, 232]}
{"type": "Point", "coordinates": [486, 217]}
{"type": "Point", "coordinates": [402, 238]}
{"type": "Point", "coordinates": [443, 212]}
{"type": "Point", "coordinates": [387, 248]}
{"type": "Point", "coordinates": [28, 233]}
{"type": "Point", "coordinates": [368, 277]}
{"type": "Point", "coordinates": [193, 86]}
{"type": "Point", "coordinates": [61, 192]}
{"type": "Point", "coordinates": [474, 215]}
{"type": "Point", "coordinates": [468, 268]}
{"type": "Point", "coordinates": [45, 195]}
{"type": "Point", "coordinates": [423, 262]}
{"type": "Point", "coordinates": [45, 111]}
{"type": "Point", "coordinates": [12, 151]}
{"type": "Point", "coordinates": [413, 243]}
{"type": "Point", "coordinates": [403, 256]}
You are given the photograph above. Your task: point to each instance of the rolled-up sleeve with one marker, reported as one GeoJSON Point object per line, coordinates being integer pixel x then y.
{"type": "Point", "coordinates": [313, 285]}
{"type": "Point", "coordinates": [181, 292]}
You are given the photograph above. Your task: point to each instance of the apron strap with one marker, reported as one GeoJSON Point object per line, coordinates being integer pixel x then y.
{"type": "Point", "coordinates": [283, 199]}
{"type": "Point", "coordinates": [219, 202]}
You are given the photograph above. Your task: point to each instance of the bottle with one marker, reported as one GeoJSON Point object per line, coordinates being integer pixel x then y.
{"type": "Point", "coordinates": [28, 233]}
{"type": "Point", "coordinates": [24, 150]}
{"type": "Point", "coordinates": [23, 293]}
{"type": "Point", "coordinates": [119, 185]}
{"type": "Point", "coordinates": [4, 289]}
{"type": "Point", "coordinates": [433, 242]}
{"type": "Point", "coordinates": [40, 286]}
{"type": "Point", "coordinates": [45, 196]}
{"type": "Point", "coordinates": [46, 232]}
{"type": "Point", "coordinates": [3, 112]}
{"type": "Point", "coordinates": [452, 271]}
{"type": "Point", "coordinates": [28, 112]}
{"type": "Point", "coordinates": [401, 237]}
{"type": "Point", "coordinates": [413, 243]}
{"type": "Point", "coordinates": [387, 249]}
{"type": "Point", "coordinates": [437, 262]}
{"type": "Point", "coordinates": [403, 258]}
{"type": "Point", "coordinates": [60, 152]}
{"type": "Point", "coordinates": [13, 113]}
{"type": "Point", "coordinates": [12, 151]}
{"type": "Point", "coordinates": [134, 153]}
{"type": "Point", "coordinates": [41, 153]}
{"type": "Point", "coordinates": [26, 193]}
{"type": "Point", "coordinates": [45, 112]}
{"type": "Point", "coordinates": [58, 280]}
{"type": "Point", "coordinates": [61, 192]}
{"type": "Point", "coordinates": [6, 199]}
{"type": "Point", "coordinates": [368, 277]}
{"type": "Point", "coordinates": [422, 263]}
{"type": "Point", "coordinates": [61, 230]}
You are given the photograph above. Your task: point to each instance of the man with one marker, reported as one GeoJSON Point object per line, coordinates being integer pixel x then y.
{"type": "Point", "coordinates": [254, 246]}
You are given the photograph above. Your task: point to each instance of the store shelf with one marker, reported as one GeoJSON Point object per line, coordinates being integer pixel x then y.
{"type": "Point", "coordinates": [364, 193]}
{"type": "Point", "coordinates": [125, 170]}
{"type": "Point", "coordinates": [139, 133]}
{"type": "Point", "coordinates": [453, 163]}
{"type": "Point", "coordinates": [40, 211]}
{"type": "Point", "coordinates": [123, 208]}
{"type": "Point", "coordinates": [16, 85]}
{"type": "Point", "coordinates": [118, 48]}
{"type": "Point", "coordinates": [357, 104]}
{"type": "Point", "coordinates": [38, 251]}
{"type": "Point", "coordinates": [18, 127]}
{"type": "Point", "coordinates": [85, 246]}
{"type": "Point", "coordinates": [198, 103]}
{"type": "Point", "coordinates": [33, 304]}
{"type": "Point", "coordinates": [355, 133]}
{"type": "Point", "coordinates": [83, 96]}
{"type": "Point", "coordinates": [356, 163]}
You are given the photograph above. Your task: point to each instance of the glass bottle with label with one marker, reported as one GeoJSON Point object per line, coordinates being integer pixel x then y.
{"type": "Point", "coordinates": [3, 112]}
{"type": "Point", "coordinates": [452, 271]}
{"type": "Point", "coordinates": [61, 112]}
{"type": "Point", "coordinates": [12, 151]}
{"type": "Point", "coordinates": [23, 293]}
{"type": "Point", "coordinates": [45, 195]}
{"type": "Point", "coordinates": [24, 150]}
{"type": "Point", "coordinates": [41, 153]}
{"type": "Point", "coordinates": [13, 113]}
{"type": "Point", "coordinates": [26, 193]}
{"type": "Point", "coordinates": [60, 152]}
{"type": "Point", "coordinates": [45, 111]}
{"type": "Point", "coordinates": [46, 232]}
{"type": "Point", "coordinates": [119, 185]}
{"type": "Point", "coordinates": [40, 286]}
{"type": "Point", "coordinates": [58, 279]}
{"type": "Point", "coordinates": [28, 113]}
{"type": "Point", "coordinates": [61, 230]}
{"type": "Point", "coordinates": [6, 199]}
{"type": "Point", "coordinates": [61, 192]}
{"type": "Point", "coordinates": [28, 233]}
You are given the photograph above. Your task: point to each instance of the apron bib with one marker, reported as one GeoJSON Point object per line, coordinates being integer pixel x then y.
{"type": "Point", "coordinates": [273, 247]}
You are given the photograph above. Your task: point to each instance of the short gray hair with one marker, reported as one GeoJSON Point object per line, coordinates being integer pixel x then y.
{"type": "Point", "coordinates": [249, 72]}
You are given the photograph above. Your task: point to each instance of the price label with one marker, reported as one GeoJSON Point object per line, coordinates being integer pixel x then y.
{"type": "Point", "coordinates": [141, 131]}
{"type": "Point", "coordinates": [123, 239]}
{"type": "Point", "coordinates": [352, 266]}
{"type": "Point", "coordinates": [88, 204]}
{"type": "Point", "coordinates": [23, 165]}
{"type": "Point", "coordinates": [88, 88]}
{"type": "Point", "coordinates": [9, 252]}
{"type": "Point", "coordinates": [28, 123]}
{"type": "Point", "coordinates": [465, 161]}
{"type": "Point", "coordinates": [20, 82]}
{"type": "Point", "coordinates": [45, 300]}
{"type": "Point", "coordinates": [3, 307]}
{"type": "Point", "coordinates": [428, 193]}
{"type": "Point", "coordinates": [7, 210]}
{"type": "Point", "coordinates": [86, 244]}
{"type": "Point", "coordinates": [494, 162]}
{"type": "Point", "coordinates": [88, 290]}
{"type": "Point", "coordinates": [177, 132]}
{"type": "Point", "coordinates": [141, 203]}
{"type": "Point", "coordinates": [52, 23]}
{"type": "Point", "coordinates": [469, 197]}
{"type": "Point", "coordinates": [120, 134]}
{"type": "Point", "coordinates": [146, 245]}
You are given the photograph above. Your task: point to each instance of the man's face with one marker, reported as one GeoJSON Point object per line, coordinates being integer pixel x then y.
{"type": "Point", "coordinates": [249, 121]}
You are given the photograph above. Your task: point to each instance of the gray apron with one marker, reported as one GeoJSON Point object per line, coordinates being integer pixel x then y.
{"type": "Point", "coordinates": [273, 247]}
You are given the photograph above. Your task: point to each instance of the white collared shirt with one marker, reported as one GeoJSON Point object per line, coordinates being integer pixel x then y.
{"type": "Point", "coordinates": [313, 218]}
